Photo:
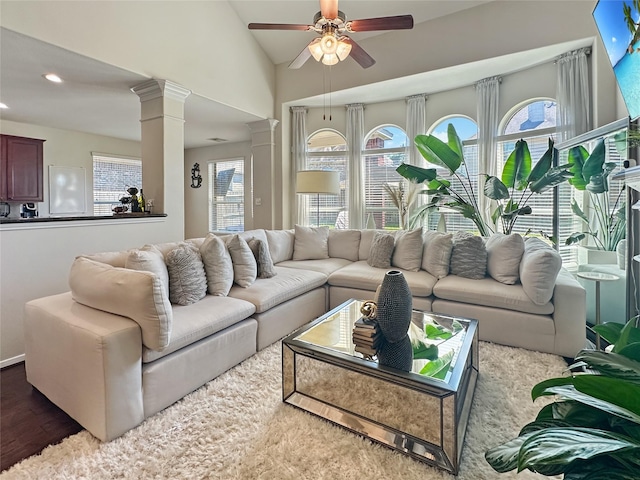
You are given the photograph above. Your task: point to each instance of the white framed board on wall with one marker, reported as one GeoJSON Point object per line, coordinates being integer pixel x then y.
{"type": "Point", "coordinates": [67, 190]}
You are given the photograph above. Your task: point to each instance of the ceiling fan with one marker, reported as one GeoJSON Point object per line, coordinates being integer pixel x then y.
{"type": "Point", "coordinates": [334, 45]}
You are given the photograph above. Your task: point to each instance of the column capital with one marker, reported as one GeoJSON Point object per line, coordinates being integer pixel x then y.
{"type": "Point", "coordinates": [156, 88]}
{"type": "Point", "coordinates": [267, 125]}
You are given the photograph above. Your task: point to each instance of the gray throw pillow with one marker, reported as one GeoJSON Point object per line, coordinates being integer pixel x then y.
{"type": "Point", "coordinates": [187, 279]}
{"type": "Point", "coordinates": [263, 258]}
{"type": "Point", "coordinates": [381, 250]}
{"type": "Point", "coordinates": [217, 265]}
{"type": "Point", "coordinates": [468, 256]}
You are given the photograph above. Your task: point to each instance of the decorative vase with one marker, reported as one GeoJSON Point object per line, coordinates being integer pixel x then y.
{"type": "Point", "coordinates": [394, 306]}
{"type": "Point", "coordinates": [396, 355]}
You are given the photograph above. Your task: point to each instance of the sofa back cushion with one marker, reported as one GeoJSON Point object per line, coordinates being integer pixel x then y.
{"type": "Point", "coordinates": [138, 295]}
{"type": "Point", "coordinates": [311, 243]}
{"type": "Point", "coordinates": [504, 253]}
{"type": "Point", "coordinates": [407, 253]}
{"type": "Point", "coordinates": [280, 244]}
{"type": "Point", "coordinates": [437, 253]}
{"type": "Point", "coordinates": [539, 269]}
{"type": "Point", "coordinates": [115, 259]}
{"type": "Point", "coordinates": [150, 261]}
{"type": "Point", "coordinates": [344, 244]}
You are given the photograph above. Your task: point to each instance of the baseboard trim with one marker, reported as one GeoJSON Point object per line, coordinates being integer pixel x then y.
{"type": "Point", "coordinates": [11, 361]}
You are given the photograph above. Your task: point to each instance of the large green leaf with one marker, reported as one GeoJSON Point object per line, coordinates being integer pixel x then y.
{"type": "Point", "coordinates": [454, 141]}
{"type": "Point", "coordinates": [438, 368]}
{"type": "Point", "coordinates": [422, 351]}
{"type": "Point", "coordinates": [593, 164]}
{"type": "Point", "coordinates": [555, 176]}
{"type": "Point", "coordinates": [517, 168]}
{"type": "Point", "coordinates": [599, 182]}
{"type": "Point", "coordinates": [551, 451]}
{"type": "Point", "coordinates": [571, 392]}
{"type": "Point", "coordinates": [631, 351]}
{"type": "Point", "coordinates": [495, 189]}
{"type": "Point", "coordinates": [610, 331]}
{"type": "Point", "coordinates": [575, 208]}
{"type": "Point", "coordinates": [576, 159]}
{"type": "Point", "coordinates": [600, 468]}
{"type": "Point", "coordinates": [544, 163]}
{"type": "Point", "coordinates": [615, 391]}
{"type": "Point", "coordinates": [417, 174]}
{"type": "Point", "coordinates": [629, 334]}
{"type": "Point", "coordinates": [437, 152]}
{"type": "Point", "coordinates": [577, 414]}
{"type": "Point", "coordinates": [575, 238]}
{"type": "Point", "coordinates": [504, 458]}
{"type": "Point", "coordinates": [611, 364]}
{"type": "Point", "coordinates": [539, 389]}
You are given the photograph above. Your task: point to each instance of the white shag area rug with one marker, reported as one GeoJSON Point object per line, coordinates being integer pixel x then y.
{"type": "Point", "coordinates": [236, 427]}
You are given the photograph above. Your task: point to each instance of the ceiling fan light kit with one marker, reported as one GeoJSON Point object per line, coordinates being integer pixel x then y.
{"type": "Point", "coordinates": [333, 45]}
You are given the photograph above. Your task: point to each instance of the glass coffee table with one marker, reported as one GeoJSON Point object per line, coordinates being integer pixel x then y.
{"type": "Point", "coordinates": [417, 414]}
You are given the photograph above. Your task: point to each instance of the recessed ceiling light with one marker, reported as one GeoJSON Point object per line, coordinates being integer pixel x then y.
{"type": "Point", "coordinates": [52, 77]}
{"type": "Point", "coordinates": [2, 105]}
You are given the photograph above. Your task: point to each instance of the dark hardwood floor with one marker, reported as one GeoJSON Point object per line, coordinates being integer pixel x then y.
{"type": "Point", "coordinates": [28, 420]}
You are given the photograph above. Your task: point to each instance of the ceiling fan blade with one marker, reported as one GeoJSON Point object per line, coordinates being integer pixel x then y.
{"type": "Point", "coordinates": [399, 22]}
{"type": "Point", "coordinates": [359, 55]}
{"type": "Point", "coordinates": [329, 9]}
{"type": "Point", "coordinates": [279, 26]}
{"type": "Point", "coordinates": [302, 57]}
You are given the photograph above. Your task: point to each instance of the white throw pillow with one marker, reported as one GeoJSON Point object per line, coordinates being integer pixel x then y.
{"type": "Point", "coordinates": [138, 295]}
{"type": "Point", "coordinates": [280, 244]}
{"type": "Point", "coordinates": [245, 269]}
{"type": "Point", "coordinates": [150, 261]}
{"type": "Point", "coordinates": [437, 253]}
{"type": "Point", "coordinates": [539, 269]}
{"type": "Point", "coordinates": [504, 253]}
{"type": "Point", "coordinates": [187, 279]}
{"type": "Point", "coordinates": [344, 244]}
{"type": "Point", "coordinates": [217, 265]}
{"type": "Point", "coordinates": [311, 243]}
{"type": "Point", "coordinates": [407, 253]}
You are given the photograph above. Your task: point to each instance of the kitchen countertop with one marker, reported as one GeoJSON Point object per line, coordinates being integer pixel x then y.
{"type": "Point", "coordinates": [115, 217]}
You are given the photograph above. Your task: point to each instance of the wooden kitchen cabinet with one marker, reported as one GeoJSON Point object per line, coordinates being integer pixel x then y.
{"type": "Point", "coordinates": [21, 169]}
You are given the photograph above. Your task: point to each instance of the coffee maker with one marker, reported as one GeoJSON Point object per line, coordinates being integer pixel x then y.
{"type": "Point", "coordinates": [28, 210]}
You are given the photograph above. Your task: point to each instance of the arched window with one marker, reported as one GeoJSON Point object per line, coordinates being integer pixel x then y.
{"type": "Point", "coordinates": [467, 131]}
{"type": "Point", "coordinates": [385, 149]}
{"type": "Point", "coordinates": [327, 150]}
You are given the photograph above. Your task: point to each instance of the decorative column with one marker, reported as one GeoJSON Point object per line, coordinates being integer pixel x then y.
{"type": "Point", "coordinates": [264, 178]}
{"type": "Point", "coordinates": [162, 123]}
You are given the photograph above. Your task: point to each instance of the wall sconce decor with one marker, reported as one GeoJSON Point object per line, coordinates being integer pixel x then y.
{"type": "Point", "coordinates": [196, 178]}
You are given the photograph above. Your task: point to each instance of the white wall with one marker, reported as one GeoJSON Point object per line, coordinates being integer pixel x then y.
{"type": "Point", "coordinates": [35, 258]}
{"type": "Point", "coordinates": [197, 199]}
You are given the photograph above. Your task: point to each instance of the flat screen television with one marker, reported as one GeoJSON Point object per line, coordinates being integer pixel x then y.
{"type": "Point", "coordinates": [617, 22]}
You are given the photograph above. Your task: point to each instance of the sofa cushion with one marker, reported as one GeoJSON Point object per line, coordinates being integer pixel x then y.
{"type": "Point", "coordinates": [245, 269]}
{"type": "Point", "coordinates": [468, 256]}
{"type": "Point", "coordinates": [539, 269]}
{"type": "Point", "coordinates": [504, 253]}
{"type": "Point", "coordinates": [436, 255]}
{"type": "Point", "coordinates": [187, 279]}
{"type": "Point", "coordinates": [199, 320]}
{"type": "Point", "coordinates": [150, 261]}
{"type": "Point", "coordinates": [311, 243]}
{"type": "Point", "coordinates": [289, 283]}
{"type": "Point", "coordinates": [217, 265]}
{"type": "Point", "coordinates": [381, 250]}
{"type": "Point", "coordinates": [280, 244]}
{"type": "Point", "coordinates": [360, 275]}
{"type": "Point", "coordinates": [488, 292]}
{"type": "Point", "coordinates": [261, 253]}
{"type": "Point", "coordinates": [115, 259]}
{"type": "Point", "coordinates": [326, 265]}
{"type": "Point", "coordinates": [344, 244]}
{"type": "Point", "coordinates": [138, 295]}
{"type": "Point", "coordinates": [366, 238]}
{"type": "Point", "coordinates": [407, 253]}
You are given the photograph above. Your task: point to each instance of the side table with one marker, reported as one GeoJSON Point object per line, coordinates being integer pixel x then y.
{"type": "Point", "coordinates": [598, 277]}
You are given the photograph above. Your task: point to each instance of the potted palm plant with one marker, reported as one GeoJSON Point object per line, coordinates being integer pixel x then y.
{"type": "Point", "coordinates": [604, 218]}
{"type": "Point", "coordinates": [519, 180]}
{"type": "Point", "coordinates": [592, 430]}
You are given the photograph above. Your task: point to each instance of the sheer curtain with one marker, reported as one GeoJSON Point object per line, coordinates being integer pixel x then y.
{"type": "Point", "coordinates": [487, 103]}
{"type": "Point", "coordinates": [355, 137]}
{"type": "Point", "coordinates": [416, 125]}
{"type": "Point", "coordinates": [573, 94]}
{"type": "Point", "coordinates": [299, 154]}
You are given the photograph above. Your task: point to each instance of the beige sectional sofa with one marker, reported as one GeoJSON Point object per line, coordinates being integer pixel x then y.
{"type": "Point", "coordinates": [114, 350]}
